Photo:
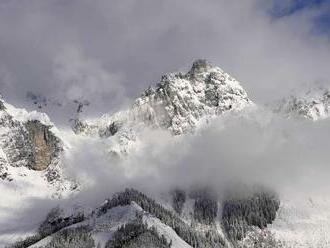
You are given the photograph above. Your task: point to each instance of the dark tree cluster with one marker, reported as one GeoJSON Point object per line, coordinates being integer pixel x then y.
{"type": "Point", "coordinates": [206, 205]}
{"type": "Point", "coordinates": [26, 242]}
{"type": "Point", "coordinates": [194, 238]}
{"type": "Point", "coordinates": [54, 222]}
{"type": "Point", "coordinates": [137, 234]}
{"type": "Point", "coordinates": [178, 200]}
{"type": "Point", "coordinates": [72, 237]}
{"type": "Point", "coordinates": [206, 209]}
{"type": "Point", "coordinates": [239, 214]}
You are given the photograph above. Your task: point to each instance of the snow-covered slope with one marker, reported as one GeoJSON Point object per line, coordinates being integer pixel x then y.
{"type": "Point", "coordinates": [30, 145]}
{"type": "Point", "coordinates": [178, 103]}
{"type": "Point", "coordinates": [304, 222]}
{"type": "Point", "coordinates": [103, 227]}
{"type": "Point", "coordinates": [125, 219]}
{"type": "Point", "coordinates": [312, 104]}
{"type": "Point", "coordinates": [30, 160]}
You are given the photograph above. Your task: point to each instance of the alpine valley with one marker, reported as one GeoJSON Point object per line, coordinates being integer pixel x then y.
{"type": "Point", "coordinates": [43, 173]}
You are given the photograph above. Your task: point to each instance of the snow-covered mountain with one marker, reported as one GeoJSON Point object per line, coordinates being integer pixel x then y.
{"type": "Point", "coordinates": [31, 144]}
{"type": "Point", "coordinates": [30, 157]}
{"type": "Point", "coordinates": [31, 150]}
{"type": "Point", "coordinates": [132, 219]}
{"type": "Point", "coordinates": [313, 104]}
{"type": "Point", "coordinates": [179, 103]}
{"type": "Point", "coordinates": [103, 225]}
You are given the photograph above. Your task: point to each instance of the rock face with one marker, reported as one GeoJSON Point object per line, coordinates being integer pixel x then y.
{"type": "Point", "coordinates": [31, 165]}
{"type": "Point", "coordinates": [178, 102]}
{"type": "Point", "coordinates": [28, 143]}
{"type": "Point", "coordinates": [26, 140]}
{"type": "Point", "coordinates": [44, 145]}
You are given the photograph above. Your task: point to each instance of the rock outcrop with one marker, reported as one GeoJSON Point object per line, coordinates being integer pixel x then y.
{"type": "Point", "coordinates": [26, 142]}
{"type": "Point", "coordinates": [177, 103]}
{"type": "Point", "coordinates": [44, 145]}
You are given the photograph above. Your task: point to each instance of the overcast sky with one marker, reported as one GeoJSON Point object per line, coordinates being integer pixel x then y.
{"type": "Point", "coordinates": [109, 51]}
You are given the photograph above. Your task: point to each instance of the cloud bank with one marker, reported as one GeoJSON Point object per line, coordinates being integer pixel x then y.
{"type": "Point", "coordinates": [287, 155]}
{"type": "Point", "coordinates": [109, 51]}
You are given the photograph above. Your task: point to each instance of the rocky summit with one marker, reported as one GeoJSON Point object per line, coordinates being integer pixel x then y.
{"type": "Point", "coordinates": [177, 104]}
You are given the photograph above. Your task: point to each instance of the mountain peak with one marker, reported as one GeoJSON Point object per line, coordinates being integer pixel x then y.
{"type": "Point", "coordinates": [200, 65]}
{"type": "Point", "coordinates": [178, 103]}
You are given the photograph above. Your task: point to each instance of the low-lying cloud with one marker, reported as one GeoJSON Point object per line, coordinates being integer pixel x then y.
{"type": "Point", "coordinates": [255, 147]}
{"type": "Point", "coordinates": [259, 147]}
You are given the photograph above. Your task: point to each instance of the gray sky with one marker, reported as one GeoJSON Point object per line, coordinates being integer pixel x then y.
{"type": "Point", "coordinates": [109, 51]}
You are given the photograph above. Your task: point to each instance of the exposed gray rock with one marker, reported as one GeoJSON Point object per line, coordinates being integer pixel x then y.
{"type": "Point", "coordinates": [44, 145]}
{"type": "Point", "coordinates": [30, 153]}
{"type": "Point", "coordinates": [29, 144]}
{"type": "Point", "coordinates": [2, 106]}
{"type": "Point", "coordinates": [110, 130]}
{"type": "Point", "coordinates": [27, 140]}
{"type": "Point", "coordinates": [178, 103]}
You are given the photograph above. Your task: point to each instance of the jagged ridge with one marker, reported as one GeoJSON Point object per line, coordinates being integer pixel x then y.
{"type": "Point", "coordinates": [312, 104]}
{"type": "Point", "coordinates": [178, 104]}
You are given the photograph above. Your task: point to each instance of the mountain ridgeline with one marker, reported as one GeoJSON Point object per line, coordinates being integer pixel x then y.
{"type": "Point", "coordinates": [179, 103]}
{"type": "Point", "coordinates": [255, 211]}
{"type": "Point", "coordinates": [176, 103]}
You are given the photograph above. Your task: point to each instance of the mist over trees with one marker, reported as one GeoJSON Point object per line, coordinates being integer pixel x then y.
{"type": "Point", "coordinates": [178, 200]}
{"type": "Point", "coordinates": [187, 233]}
{"type": "Point", "coordinates": [206, 205]}
{"type": "Point", "coordinates": [239, 214]}
{"type": "Point", "coordinates": [137, 234]}
{"type": "Point", "coordinates": [54, 222]}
